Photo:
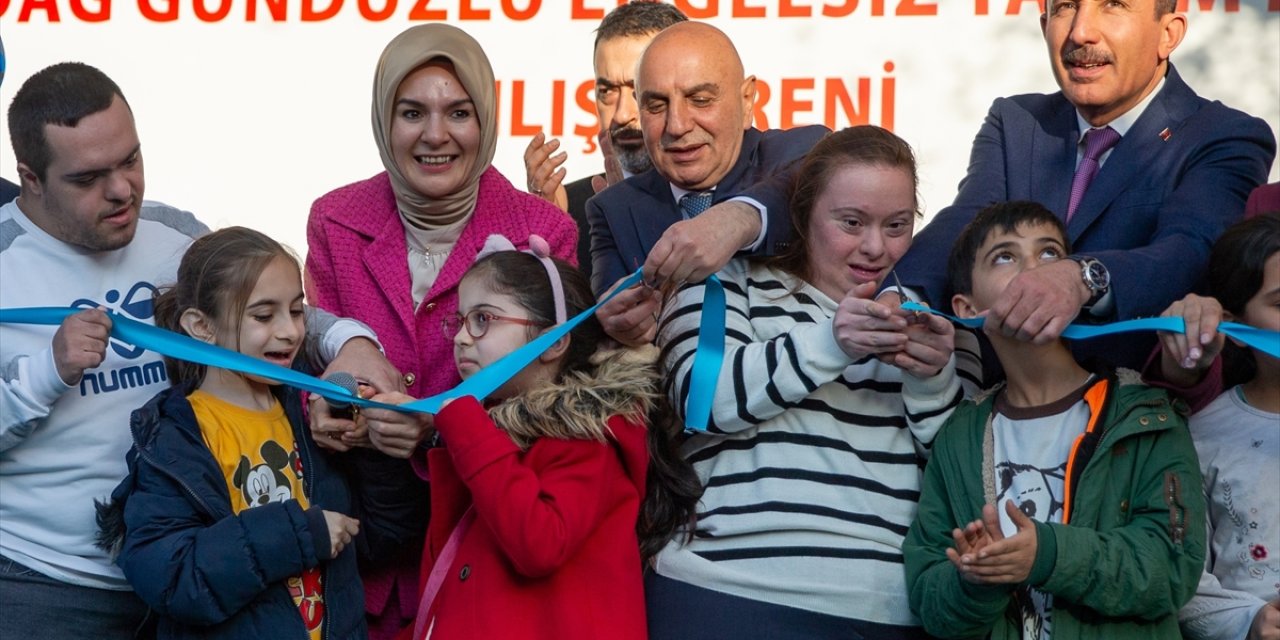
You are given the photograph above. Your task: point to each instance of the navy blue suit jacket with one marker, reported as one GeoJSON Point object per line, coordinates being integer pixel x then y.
{"type": "Point", "coordinates": [1170, 187]}
{"type": "Point", "coordinates": [8, 191]}
{"type": "Point", "coordinates": [628, 218]}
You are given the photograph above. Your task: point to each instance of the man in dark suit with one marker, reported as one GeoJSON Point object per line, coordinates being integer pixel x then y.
{"type": "Point", "coordinates": [1156, 196]}
{"type": "Point", "coordinates": [620, 38]}
{"type": "Point", "coordinates": [681, 220]}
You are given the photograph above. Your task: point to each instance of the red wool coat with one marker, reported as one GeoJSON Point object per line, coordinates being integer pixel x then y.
{"type": "Point", "coordinates": [552, 553]}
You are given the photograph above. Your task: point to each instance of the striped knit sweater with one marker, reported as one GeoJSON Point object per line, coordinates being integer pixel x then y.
{"type": "Point", "coordinates": [812, 466]}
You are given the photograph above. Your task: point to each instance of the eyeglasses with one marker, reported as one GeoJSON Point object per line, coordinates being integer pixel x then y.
{"type": "Point", "coordinates": [477, 323]}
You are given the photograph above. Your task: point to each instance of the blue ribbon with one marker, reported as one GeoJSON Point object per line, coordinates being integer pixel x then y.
{"type": "Point", "coordinates": [704, 375]}
{"type": "Point", "coordinates": [181, 347]}
{"type": "Point", "coordinates": [176, 345]}
{"type": "Point", "coordinates": [708, 358]}
{"type": "Point", "coordinates": [488, 379]}
{"type": "Point", "coordinates": [1265, 341]}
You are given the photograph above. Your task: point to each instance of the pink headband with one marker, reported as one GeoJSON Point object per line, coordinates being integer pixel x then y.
{"type": "Point", "coordinates": [539, 249]}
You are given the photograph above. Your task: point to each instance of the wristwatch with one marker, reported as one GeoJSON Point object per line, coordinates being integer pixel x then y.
{"type": "Point", "coordinates": [1096, 278]}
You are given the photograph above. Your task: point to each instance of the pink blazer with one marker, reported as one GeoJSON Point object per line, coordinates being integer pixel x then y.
{"type": "Point", "coordinates": [357, 267]}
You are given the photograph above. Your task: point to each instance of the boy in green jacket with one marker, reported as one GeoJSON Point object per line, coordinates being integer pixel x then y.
{"type": "Point", "coordinates": [1063, 504]}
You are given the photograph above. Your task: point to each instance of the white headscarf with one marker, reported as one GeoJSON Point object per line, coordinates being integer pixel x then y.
{"type": "Point", "coordinates": [407, 52]}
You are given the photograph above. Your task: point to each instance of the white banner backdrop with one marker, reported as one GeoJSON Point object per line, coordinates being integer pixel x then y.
{"type": "Point", "coordinates": [249, 110]}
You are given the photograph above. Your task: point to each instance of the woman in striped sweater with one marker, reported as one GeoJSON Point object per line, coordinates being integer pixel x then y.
{"type": "Point", "coordinates": [823, 415]}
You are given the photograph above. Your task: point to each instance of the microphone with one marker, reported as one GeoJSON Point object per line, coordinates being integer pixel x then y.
{"type": "Point", "coordinates": [339, 408]}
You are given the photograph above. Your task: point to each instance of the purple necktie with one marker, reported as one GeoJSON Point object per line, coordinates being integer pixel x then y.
{"type": "Point", "coordinates": [1096, 143]}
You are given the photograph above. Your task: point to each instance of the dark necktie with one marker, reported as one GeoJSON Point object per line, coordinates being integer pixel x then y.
{"type": "Point", "coordinates": [694, 203]}
{"type": "Point", "coordinates": [1096, 143]}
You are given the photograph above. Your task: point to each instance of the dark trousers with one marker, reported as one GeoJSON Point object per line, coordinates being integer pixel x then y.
{"type": "Point", "coordinates": [33, 605]}
{"type": "Point", "coordinates": [681, 611]}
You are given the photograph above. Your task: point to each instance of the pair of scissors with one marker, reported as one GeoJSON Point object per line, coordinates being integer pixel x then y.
{"type": "Point", "coordinates": [902, 291]}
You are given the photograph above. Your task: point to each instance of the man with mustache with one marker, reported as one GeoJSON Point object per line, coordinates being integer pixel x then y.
{"type": "Point", "coordinates": [1145, 173]}
{"type": "Point", "coordinates": [686, 217]}
{"type": "Point", "coordinates": [620, 38]}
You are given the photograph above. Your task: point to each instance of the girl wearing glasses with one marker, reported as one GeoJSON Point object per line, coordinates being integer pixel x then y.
{"type": "Point", "coordinates": [540, 500]}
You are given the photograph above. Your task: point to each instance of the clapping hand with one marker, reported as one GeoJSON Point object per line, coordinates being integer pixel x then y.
{"type": "Point", "coordinates": [997, 559]}
{"type": "Point", "coordinates": [612, 168]}
{"type": "Point", "coordinates": [544, 170]}
{"type": "Point", "coordinates": [968, 541]}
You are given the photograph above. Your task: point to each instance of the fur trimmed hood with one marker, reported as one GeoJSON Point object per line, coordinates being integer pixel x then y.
{"type": "Point", "coordinates": [622, 382]}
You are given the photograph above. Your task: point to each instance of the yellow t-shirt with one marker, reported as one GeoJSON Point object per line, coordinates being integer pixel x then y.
{"type": "Point", "coordinates": [260, 462]}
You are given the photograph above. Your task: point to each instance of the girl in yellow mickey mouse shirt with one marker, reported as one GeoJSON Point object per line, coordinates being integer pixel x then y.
{"type": "Point", "coordinates": [233, 522]}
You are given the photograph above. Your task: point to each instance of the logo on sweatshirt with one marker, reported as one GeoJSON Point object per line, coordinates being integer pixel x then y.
{"type": "Point", "coordinates": [135, 303]}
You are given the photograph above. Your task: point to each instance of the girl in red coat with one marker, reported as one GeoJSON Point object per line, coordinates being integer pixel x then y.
{"type": "Point", "coordinates": [535, 500]}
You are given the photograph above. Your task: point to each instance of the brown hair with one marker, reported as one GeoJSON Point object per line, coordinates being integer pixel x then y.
{"type": "Point", "coordinates": [216, 277]}
{"type": "Point", "coordinates": [860, 145]}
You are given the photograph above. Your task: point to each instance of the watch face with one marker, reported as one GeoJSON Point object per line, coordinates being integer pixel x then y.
{"type": "Point", "coordinates": [1098, 276]}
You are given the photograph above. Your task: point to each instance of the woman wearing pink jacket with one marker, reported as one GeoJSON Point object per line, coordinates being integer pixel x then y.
{"type": "Point", "coordinates": [390, 250]}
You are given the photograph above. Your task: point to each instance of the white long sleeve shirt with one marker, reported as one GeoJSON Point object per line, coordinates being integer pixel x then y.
{"type": "Point", "coordinates": [1239, 449]}
{"type": "Point", "coordinates": [62, 447]}
{"type": "Point", "coordinates": [812, 466]}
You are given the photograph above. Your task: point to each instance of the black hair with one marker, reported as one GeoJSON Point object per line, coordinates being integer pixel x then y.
{"type": "Point", "coordinates": [861, 145]}
{"type": "Point", "coordinates": [216, 277]}
{"type": "Point", "coordinates": [523, 277]}
{"type": "Point", "coordinates": [1236, 272]}
{"type": "Point", "coordinates": [637, 18]}
{"type": "Point", "coordinates": [672, 487]}
{"type": "Point", "coordinates": [1004, 217]}
{"type": "Point", "coordinates": [61, 94]}
{"type": "Point", "coordinates": [1237, 259]}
